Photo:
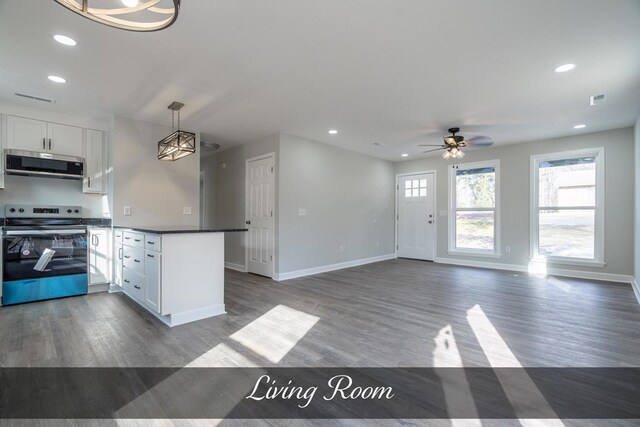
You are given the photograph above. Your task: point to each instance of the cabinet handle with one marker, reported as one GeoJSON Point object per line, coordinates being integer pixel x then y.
{"type": "Point", "coordinates": [150, 243]}
{"type": "Point", "coordinates": [97, 240]}
{"type": "Point", "coordinates": [150, 256]}
{"type": "Point", "coordinates": [127, 238]}
{"type": "Point", "coordinates": [136, 286]}
{"type": "Point", "coordinates": [127, 256]}
{"type": "Point", "coordinates": [126, 281]}
{"type": "Point", "coordinates": [44, 146]}
{"type": "Point", "coordinates": [120, 253]}
{"type": "Point", "coordinates": [136, 240]}
{"type": "Point", "coordinates": [49, 143]}
{"type": "Point", "coordinates": [89, 182]}
{"type": "Point", "coordinates": [136, 260]}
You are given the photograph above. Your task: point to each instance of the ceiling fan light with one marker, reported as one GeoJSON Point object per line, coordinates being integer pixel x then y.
{"type": "Point", "coordinates": [460, 154]}
{"type": "Point", "coordinates": [127, 18]}
{"type": "Point", "coordinates": [446, 155]}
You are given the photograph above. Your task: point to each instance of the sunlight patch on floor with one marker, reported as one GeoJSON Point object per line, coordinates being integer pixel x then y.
{"type": "Point", "coordinates": [563, 286]}
{"type": "Point", "coordinates": [457, 392]}
{"type": "Point", "coordinates": [276, 332]}
{"type": "Point", "coordinates": [222, 356]}
{"type": "Point", "coordinates": [519, 388]}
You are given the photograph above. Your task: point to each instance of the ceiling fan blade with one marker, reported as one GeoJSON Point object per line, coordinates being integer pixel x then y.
{"type": "Point", "coordinates": [479, 141]}
{"type": "Point", "coordinates": [435, 149]}
{"type": "Point", "coordinates": [431, 145]}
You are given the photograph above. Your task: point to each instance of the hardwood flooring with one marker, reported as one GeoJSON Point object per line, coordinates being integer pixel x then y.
{"type": "Point", "coordinates": [388, 314]}
{"type": "Point", "coordinates": [384, 314]}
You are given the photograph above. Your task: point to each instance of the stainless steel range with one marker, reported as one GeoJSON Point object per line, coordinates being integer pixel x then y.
{"type": "Point", "coordinates": [44, 252]}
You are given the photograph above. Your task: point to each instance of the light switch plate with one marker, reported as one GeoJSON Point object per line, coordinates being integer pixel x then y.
{"type": "Point", "coordinates": [127, 211]}
{"type": "Point", "coordinates": [186, 210]}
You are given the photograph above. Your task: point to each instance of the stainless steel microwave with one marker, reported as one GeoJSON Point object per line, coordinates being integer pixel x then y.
{"type": "Point", "coordinates": [30, 163]}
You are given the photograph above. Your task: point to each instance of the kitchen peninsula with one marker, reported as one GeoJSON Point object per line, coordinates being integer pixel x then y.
{"type": "Point", "coordinates": [176, 273]}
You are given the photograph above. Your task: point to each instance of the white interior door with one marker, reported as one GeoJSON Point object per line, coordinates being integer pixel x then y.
{"type": "Point", "coordinates": [416, 216]}
{"type": "Point", "coordinates": [260, 215]}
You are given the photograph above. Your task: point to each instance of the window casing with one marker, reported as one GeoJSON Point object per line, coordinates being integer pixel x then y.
{"type": "Point", "coordinates": [474, 209]}
{"type": "Point", "coordinates": [567, 207]}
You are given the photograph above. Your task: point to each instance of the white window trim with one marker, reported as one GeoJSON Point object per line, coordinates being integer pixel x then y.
{"type": "Point", "coordinates": [598, 261]}
{"type": "Point", "coordinates": [453, 250]}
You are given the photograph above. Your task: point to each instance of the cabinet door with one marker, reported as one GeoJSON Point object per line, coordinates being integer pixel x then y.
{"type": "Point", "coordinates": [94, 181]}
{"type": "Point", "coordinates": [26, 134]}
{"type": "Point", "coordinates": [99, 256]}
{"type": "Point", "coordinates": [117, 273]}
{"type": "Point", "coordinates": [65, 140]}
{"type": "Point", "coordinates": [152, 275]}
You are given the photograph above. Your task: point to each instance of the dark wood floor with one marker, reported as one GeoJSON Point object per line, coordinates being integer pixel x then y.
{"type": "Point", "coordinates": [385, 314]}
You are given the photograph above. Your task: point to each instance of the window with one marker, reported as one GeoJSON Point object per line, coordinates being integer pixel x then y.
{"type": "Point", "coordinates": [567, 203]}
{"type": "Point", "coordinates": [415, 188]}
{"type": "Point", "coordinates": [474, 216]}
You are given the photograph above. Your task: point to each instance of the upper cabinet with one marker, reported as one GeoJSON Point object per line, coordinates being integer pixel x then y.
{"type": "Point", "coordinates": [37, 135]}
{"type": "Point", "coordinates": [95, 179]}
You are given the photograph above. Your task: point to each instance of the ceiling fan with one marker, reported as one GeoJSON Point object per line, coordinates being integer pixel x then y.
{"type": "Point", "coordinates": [453, 144]}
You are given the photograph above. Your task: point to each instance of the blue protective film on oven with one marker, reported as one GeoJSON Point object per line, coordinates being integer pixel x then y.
{"type": "Point", "coordinates": [19, 291]}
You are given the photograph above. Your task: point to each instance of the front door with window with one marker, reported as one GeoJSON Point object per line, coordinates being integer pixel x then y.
{"type": "Point", "coordinates": [416, 216]}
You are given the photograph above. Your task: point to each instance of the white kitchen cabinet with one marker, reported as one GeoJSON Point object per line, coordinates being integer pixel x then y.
{"type": "Point", "coordinates": [94, 181]}
{"type": "Point", "coordinates": [152, 276]}
{"type": "Point", "coordinates": [64, 139]}
{"type": "Point", "coordinates": [26, 134]}
{"type": "Point", "coordinates": [40, 136]}
{"type": "Point", "coordinates": [99, 253]}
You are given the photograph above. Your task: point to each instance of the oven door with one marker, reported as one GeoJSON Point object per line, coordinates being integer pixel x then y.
{"type": "Point", "coordinates": [39, 253]}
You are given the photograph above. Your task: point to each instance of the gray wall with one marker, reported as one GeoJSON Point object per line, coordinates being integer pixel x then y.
{"type": "Point", "coordinates": [636, 227]}
{"type": "Point", "coordinates": [156, 190]}
{"type": "Point", "coordinates": [349, 201]}
{"type": "Point", "coordinates": [225, 191]}
{"type": "Point", "coordinates": [514, 164]}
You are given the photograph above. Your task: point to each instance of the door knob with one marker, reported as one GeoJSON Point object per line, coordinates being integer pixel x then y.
{"type": "Point", "coordinates": [430, 222]}
{"type": "Point", "coordinates": [247, 222]}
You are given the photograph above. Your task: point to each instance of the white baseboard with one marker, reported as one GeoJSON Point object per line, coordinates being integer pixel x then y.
{"type": "Point", "coordinates": [113, 288]}
{"type": "Point", "coordinates": [98, 288]}
{"type": "Point", "coordinates": [193, 315]}
{"type": "Point", "coordinates": [609, 277]}
{"type": "Point", "coordinates": [238, 267]}
{"type": "Point", "coordinates": [636, 289]}
{"type": "Point", "coordinates": [325, 268]}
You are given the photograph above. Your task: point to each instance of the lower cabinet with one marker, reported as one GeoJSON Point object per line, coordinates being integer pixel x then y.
{"type": "Point", "coordinates": [99, 253]}
{"type": "Point", "coordinates": [140, 268]}
{"type": "Point", "coordinates": [117, 269]}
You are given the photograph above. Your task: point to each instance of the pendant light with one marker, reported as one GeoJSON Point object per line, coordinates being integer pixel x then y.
{"type": "Point", "coordinates": [180, 143]}
{"type": "Point", "coordinates": [131, 15]}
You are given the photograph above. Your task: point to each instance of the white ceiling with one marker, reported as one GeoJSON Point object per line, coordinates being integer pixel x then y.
{"type": "Point", "coordinates": [395, 72]}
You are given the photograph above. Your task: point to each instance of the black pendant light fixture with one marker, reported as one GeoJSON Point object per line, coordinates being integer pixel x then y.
{"type": "Point", "coordinates": [131, 15]}
{"type": "Point", "coordinates": [180, 143]}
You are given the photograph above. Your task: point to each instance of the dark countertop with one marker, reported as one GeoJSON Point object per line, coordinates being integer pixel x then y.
{"type": "Point", "coordinates": [177, 229]}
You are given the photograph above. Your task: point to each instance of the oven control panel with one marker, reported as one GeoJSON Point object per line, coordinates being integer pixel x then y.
{"type": "Point", "coordinates": [33, 211]}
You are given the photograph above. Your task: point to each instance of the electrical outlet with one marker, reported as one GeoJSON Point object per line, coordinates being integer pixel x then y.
{"type": "Point", "coordinates": [127, 211]}
{"type": "Point", "coordinates": [507, 249]}
{"type": "Point", "coordinates": [186, 210]}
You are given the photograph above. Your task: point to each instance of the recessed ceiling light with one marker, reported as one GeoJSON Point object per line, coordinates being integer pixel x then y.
{"type": "Point", "coordinates": [580, 126]}
{"type": "Point", "coordinates": [68, 41]}
{"type": "Point", "coordinates": [56, 79]}
{"type": "Point", "coordinates": [404, 155]}
{"type": "Point", "coordinates": [333, 131]}
{"type": "Point", "coordinates": [564, 68]}
{"type": "Point", "coordinates": [130, 3]}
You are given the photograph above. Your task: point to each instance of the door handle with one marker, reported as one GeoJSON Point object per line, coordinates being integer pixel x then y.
{"type": "Point", "coordinates": [49, 143]}
{"type": "Point", "coordinates": [248, 222]}
{"type": "Point", "coordinates": [430, 222]}
{"type": "Point", "coordinates": [44, 143]}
